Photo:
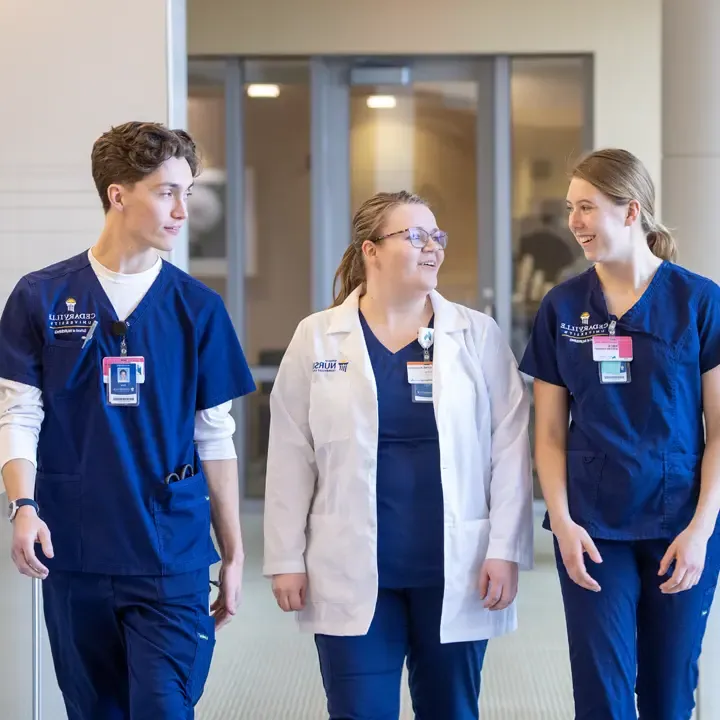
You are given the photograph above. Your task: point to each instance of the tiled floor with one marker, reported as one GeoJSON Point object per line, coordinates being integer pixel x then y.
{"type": "Point", "coordinates": [264, 670]}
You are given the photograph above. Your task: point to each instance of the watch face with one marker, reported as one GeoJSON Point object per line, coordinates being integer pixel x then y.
{"type": "Point", "coordinates": [11, 509]}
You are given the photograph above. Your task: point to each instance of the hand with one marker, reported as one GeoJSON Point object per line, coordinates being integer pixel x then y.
{"type": "Point", "coordinates": [574, 542]}
{"type": "Point", "coordinates": [498, 583]}
{"type": "Point", "coordinates": [226, 603]}
{"type": "Point", "coordinates": [29, 529]}
{"type": "Point", "coordinates": [688, 551]}
{"type": "Point", "coordinates": [289, 590]}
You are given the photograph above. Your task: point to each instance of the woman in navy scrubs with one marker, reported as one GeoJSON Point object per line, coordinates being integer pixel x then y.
{"type": "Point", "coordinates": [398, 494]}
{"type": "Point", "coordinates": [628, 353]}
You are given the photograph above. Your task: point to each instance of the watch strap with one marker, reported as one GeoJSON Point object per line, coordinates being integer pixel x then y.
{"type": "Point", "coordinates": [15, 505]}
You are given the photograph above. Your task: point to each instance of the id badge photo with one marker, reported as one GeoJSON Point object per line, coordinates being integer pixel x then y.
{"type": "Point", "coordinates": [123, 386]}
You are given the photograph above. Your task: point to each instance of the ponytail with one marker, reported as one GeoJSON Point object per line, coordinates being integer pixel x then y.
{"type": "Point", "coordinates": [366, 225]}
{"type": "Point", "coordinates": [350, 274]}
{"type": "Point", "coordinates": [662, 243]}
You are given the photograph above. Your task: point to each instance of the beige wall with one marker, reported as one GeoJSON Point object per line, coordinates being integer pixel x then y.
{"type": "Point", "coordinates": [624, 37]}
{"type": "Point", "coordinates": [63, 82]}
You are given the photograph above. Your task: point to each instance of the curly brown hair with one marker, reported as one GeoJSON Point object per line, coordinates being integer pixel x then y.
{"type": "Point", "coordinates": [130, 152]}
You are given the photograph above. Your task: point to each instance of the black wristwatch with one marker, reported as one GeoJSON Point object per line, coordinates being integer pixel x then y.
{"type": "Point", "coordinates": [15, 505]}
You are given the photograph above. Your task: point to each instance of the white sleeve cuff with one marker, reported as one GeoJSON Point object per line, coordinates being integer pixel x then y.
{"type": "Point", "coordinates": [214, 430]}
{"type": "Point", "coordinates": [217, 449]}
{"type": "Point", "coordinates": [21, 417]}
{"type": "Point", "coordinates": [17, 443]}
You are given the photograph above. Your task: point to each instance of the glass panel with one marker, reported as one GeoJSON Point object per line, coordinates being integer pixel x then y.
{"type": "Point", "coordinates": [278, 273]}
{"type": "Point", "coordinates": [549, 127]}
{"type": "Point", "coordinates": [206, 222]}
{"type": "Point", "coordinates": [548, 113]}
{"type": "Point", "coordinates": [423, 138]}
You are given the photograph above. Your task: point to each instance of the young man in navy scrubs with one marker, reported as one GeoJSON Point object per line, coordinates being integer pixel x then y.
{"type": "Point", "coordinates": [117, 373]}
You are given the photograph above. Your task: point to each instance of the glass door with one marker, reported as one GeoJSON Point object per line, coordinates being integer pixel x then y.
{"type": "Point", "coordinates": [437, 127]}
{"type": "Point", "coordinates": [292, 147]}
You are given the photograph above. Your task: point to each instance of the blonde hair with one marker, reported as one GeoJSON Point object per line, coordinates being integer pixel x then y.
{"type": "Point", "coordinates": [622, 177]}
{"type": "Point", "coordinates": [367, 225]}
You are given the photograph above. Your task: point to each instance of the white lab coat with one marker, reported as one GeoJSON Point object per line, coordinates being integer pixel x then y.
{"type": "Point", "coordinates": [320, 502]}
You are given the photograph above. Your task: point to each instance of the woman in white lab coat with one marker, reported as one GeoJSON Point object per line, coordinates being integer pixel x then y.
{"type": "Point", "coordinates": [398, 504]}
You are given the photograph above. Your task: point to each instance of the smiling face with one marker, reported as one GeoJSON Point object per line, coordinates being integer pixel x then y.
{"type": "Point", "coordinates": [602, 226]}
{"type": "Point", "coordinates": [410, 269]}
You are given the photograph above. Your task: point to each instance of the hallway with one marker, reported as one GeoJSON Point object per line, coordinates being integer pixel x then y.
{"type": "Point", "coordinates": [265, 670]}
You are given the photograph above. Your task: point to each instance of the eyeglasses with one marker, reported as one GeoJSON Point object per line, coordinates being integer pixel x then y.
{"type": "Point", "coordinates": [419, 237]}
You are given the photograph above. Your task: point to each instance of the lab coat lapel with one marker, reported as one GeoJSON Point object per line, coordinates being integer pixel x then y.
{"type": "Point", "coordinates": [449, 324]}
{"type": "Point", "coordinates": [352, 347]}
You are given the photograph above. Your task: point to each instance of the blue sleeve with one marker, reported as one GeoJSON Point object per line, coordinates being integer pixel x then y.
{"type": "Point", "coordinates": [540, 358]}
{"type": "Point", "coordinates": [709, 327]}
{"type": "Point", "coordinates": [223, 372]}
{"type": "Point", "coordinates": [21, 343]}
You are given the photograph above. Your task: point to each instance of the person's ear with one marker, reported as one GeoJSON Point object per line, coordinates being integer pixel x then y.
{"type": "Point", "coordinates": [633, 212]}
{"type": "Point", "coordinates": [116, 197]}
{"type": "Point", "coordinates": [369, 249]}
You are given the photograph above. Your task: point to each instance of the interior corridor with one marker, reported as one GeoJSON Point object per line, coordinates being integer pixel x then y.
{"type": "Point", "coordinates": [265, 670]}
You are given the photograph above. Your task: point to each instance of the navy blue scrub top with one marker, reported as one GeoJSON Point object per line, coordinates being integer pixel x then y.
{"type": "Point", "coordinates": [634, 450]}
{"type": "Point", "coordinates": [101, 469]}
{"type": "Point", "coordinates": [409, 488]}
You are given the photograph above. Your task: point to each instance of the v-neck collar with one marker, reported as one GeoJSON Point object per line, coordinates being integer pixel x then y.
{"type": "Point", "coordinates": [368, 331]}
{"type": "Point", "coordinates": [598, 296]}
{"type": "Point", "coordinates": [104, 301]}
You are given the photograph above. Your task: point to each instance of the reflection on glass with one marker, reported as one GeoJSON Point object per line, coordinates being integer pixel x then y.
{"type": "Point", "coordinates": [422, 138]}
{"type": "Point", "coordinates": [206, 221]}
{"type": "Point", "coordinates": [278, 257]}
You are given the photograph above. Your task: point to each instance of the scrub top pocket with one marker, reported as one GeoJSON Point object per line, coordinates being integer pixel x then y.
{"type": "Point", "coordinates": [182, 519]}
{"type": "Point", "coordinates": [584, 473]}
{"type": "Point", "coordinates": [65, 367]}
{"type": "Point", "coordinates": [59, 498]}
{"type": "Point", "coordinates": [682, 486]}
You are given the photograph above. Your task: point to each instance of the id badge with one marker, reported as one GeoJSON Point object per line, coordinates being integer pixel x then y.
{"type": "Point", "coordinates": [138, 361]}
{"type": "Point", "coordinates": [422, 392]}
{"type": "Point", "coordinates": [419, 373]}
{"type": "Point", "coordinates": [123, 386]}
{"type": "Point", "coordinates": [614, 372]}
{"type": "Point", "coordinates": [612, 347]}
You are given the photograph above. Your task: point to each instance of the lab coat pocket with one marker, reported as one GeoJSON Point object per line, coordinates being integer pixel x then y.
{"type": "Point", "coordinates": [58, 496]}
{"type": "Point", "coordinates": [584, 473]}
{"type": "Point", "coordinates": [682, 485]}
{"type": "Point", "coordinates": [65, 367]}
{"type": "Point", "coordinates": [182, 519]}
{"type": "Point", "coordinates": [330, 411]}
{"type": "Point", "coordinates": [330, 559]}
{"type": "Point", "coordinates": [468, 546]}
{"type": "Point", "coordinates": [200, 669]}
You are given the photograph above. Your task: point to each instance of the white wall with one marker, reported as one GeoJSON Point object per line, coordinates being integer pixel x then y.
{"type": "Point", "coordinates": [68, 71]}
{"type": "Point", "coordinates": [624, 37]}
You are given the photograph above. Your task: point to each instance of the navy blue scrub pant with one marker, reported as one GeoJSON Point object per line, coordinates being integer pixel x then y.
{"type": "Point", "coordinates": [129, 648]}
{"type": "Point", "coordinates": [632, 639]}
{"type": "Point", "coordinates": [362, 675]}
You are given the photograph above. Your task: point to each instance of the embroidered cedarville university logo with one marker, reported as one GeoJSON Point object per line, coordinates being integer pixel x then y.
{"type": "Point", "coordinates": [328, 366]}
{"type": "Point", "coordinates": [70, 322]}
{"type": "Point", "coordinates": [585, 318]}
